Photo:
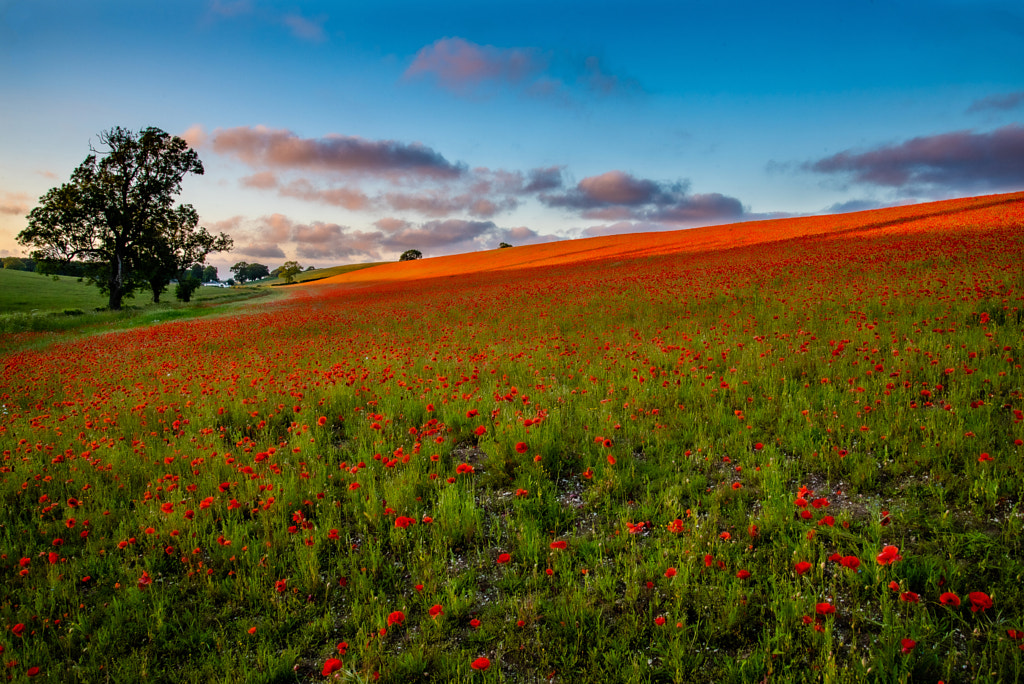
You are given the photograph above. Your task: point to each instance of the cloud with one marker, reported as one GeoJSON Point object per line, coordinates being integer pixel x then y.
{"type": "Point", "coordinates": [349, 198]}
{"type": "Point", "coordinates": [15, 203]}
{"type": "Point", "coordinates": [542, 179]}
{"type": "Point", "coordinates": [195, 136]}
{"type": "Point", "coordinates": [276, 236]}
{"type": "Point", "coordinates": [262, 147]}
{"type": "Point", "coordinates": [463, 67]}
{"type": "Point", "coordinates": [264, 180]}
{"type": "Point", "coordinates": [950, 162]}
{"type": "Point", "coordinates": [225, 8]}
{"type": "Point", "coordinates": [306, 29]}
{"type": "Point", "coordinates": [619, 196]}
{"type": "Point", "coordinates": [469, 69]}
{"type": "Point", "coordinates": [1002, 102]}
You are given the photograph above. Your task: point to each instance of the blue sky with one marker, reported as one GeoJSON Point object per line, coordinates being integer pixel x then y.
{"type": "Point", "coordinates": [342, 132]}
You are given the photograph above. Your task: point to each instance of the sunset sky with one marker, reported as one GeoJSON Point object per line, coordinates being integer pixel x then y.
{"type": "Point", "coordinates": [344, 132]}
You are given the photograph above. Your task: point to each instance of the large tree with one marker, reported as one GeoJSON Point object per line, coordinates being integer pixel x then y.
{"type": "Point", "coordinates": [117, 212]}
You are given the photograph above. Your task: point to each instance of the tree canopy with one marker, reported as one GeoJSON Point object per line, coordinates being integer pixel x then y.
{"type": "Point", "coordinates": [288, 271]}
{"type": "Point", "coordinates": [117, 213]}
{"type": "Point", "coordinates": [245, 272]}
{"type": "Point", "coordinates": [411, 255]}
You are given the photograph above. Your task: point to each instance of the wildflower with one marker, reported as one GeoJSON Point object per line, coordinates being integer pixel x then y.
{"type": "Point", "coordinates": [480, 430]}
{"type": "Point", "coordinates": [396, 618]}
{"type": "Point", "coordinates": [521, 492]}
{"type": "Point", "coordinates": [802, 567]}
{"type": "Point", "coordinates": [474, 623]}
{"type": "Point", "coordinates": [743, 574]}
{"type": "Point", "coordinates": [984, 457]}
{"type": "Point", "coordinates": [909, 597]}
{"type": "Point", "coordinates": [342, 647]}
{"type": "Point", "coordinates": [404, 522]}
{"type": "Point", "coordinates": [332, 665]}
{"type": "Point", "coordinates": [708, 560]}
{"type": "Point", "coordinates": [252, 630]}
{"type": "Point", "coordinates": [561, 544]}
{"type": "Point", "coordinates": [18, 629]}
{"type": "Point", "coordinates": [504, 558]}
{"type": "Point", "coordinates": [521, 448]}
{"type": "Point", "coordinates": [321, 421]}
{"type": "Point", "coordinates": [659, 620]}
{"type": "Point", "coordinates": [908, 646]}
{"type": "Point", "coordinates": [825, 609]}
{"type": "Point", "coordinates": [851, 562]}
{"type": "Point", "coordinates": [671, 572]}
{"type": "Point", "coordinates": [480, 663]}
{"type": "Point", "coordinates": [979, 601]}
{"type": "Point", "coordinates": [145, 580]}
{"type": "Point", "coordinates": [436, 610]}
{"type": "Point", "coordinates": [889, 555]}
{"type": "Point", "coordinates": [281, 586]}
{"type": "Point", "coordinates": [949, 599]}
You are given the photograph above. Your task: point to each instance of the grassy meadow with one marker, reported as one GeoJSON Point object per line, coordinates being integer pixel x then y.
{"type": "Point", "coordinates": [785, 451]}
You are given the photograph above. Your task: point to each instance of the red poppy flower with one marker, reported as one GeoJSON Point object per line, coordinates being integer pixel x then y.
{"type": "Point", "coordinates": [281, 586]}
{"type": "Point", "coordinates": [984, 457]}
{"type": "Point", "coordinates": [558, 544]}
{"type": "Point", "coordinates": [436, 610]}
{"type": "Point", "coordinates": [908, 645]}
{"type": "Point", "coordinates": [824, 609]}
{"type": "Point", "coordinates": [909, 597]}
{"type": "Point", "coordinates": [659, 620]}
{"type": "Point", "coordinates": [889, 555]}
{"type": "Point", "coordinates": [504, 558]}
{"type": "Point", "coordinates": [802, 567]}
{"type": "Point", "coordinates": [979, 601]}
{"type": "Point", "coordinates": [32, 671]}
{"type": "Point", "coordinates": [252, 630]}
{"type": "Point", "coordinates": [18, 629]}
{"type": "Point", "coordinates": [675, 527]}
{"type": "Point", "coordinates": [480, 663]}
{"type": "Point", "coordinates": [404, 522]}
{"type": "Point", "coordinates": [332, 665]}
{"type": "Point", "coordinates": [396, 618]}
{"type": "Point", "coordinates": [743, 574]}
{"type": "Point", "coordinates": [708, 560]}
{"type": "Point", "coordinates": [474, 623]}
{"type": "Point", "coordinates": [851, 562]}
{"type": "Point", "coordinates": [522, 492]}
{"type": "Point", "coordinates": [321, 421]}
{"type": "Point", "coordinates": [521, 448]}
{"type": "Point", "coordinates": [480, 430]}
{"type": "Point", "coordinates": [671, 572]}
{"type": "Point", "coordinates": [949, 599]}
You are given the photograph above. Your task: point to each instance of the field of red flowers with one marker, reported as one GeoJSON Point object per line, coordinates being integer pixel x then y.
{"type": "Point", "coordinates": [776, 451]}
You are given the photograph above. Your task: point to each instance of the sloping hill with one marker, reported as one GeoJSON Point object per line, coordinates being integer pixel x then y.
{"type": "Point", "coordinates": [987, 211]}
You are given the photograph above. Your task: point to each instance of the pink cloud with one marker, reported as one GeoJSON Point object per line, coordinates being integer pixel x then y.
{"type": "Point", "coordinates": [259, 146]}
{"type": "Point", "coordinates": [15, 203]}
{"type": "Point", "coordinates": [961, 161]}
{"type": "Point", "coordinates": [349, 198]}
{"type": "Point", "coordinates": [462, 67]}
{"type": "Point", "coordinates": [264, 180]}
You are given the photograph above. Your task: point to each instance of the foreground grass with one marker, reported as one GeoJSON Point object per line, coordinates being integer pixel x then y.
{"type": "Point", "coordinates": [608, 471]}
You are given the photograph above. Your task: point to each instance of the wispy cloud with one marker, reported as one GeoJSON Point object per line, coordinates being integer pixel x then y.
{"type": "Point", "coordinates": [1001, 102]}
{"type": "Point", "coordinates": [277, 237]}
{"type": "Point", "coordinates": [15, 203]}
{"type": "Point", "coordinates": [305, 28]}
{"type": "Point", "coordinates": [961, 161]}
{"type": "Point", "coordinates": [470, 69]}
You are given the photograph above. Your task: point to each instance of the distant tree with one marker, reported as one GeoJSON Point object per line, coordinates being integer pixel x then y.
{"type": "Point", "coordinates": [246, 272]}
{"type": "Point", "coordinates": [411, 255]}
{"type": "Point", "coordinates": [230, 282]}
{"type": "Point", "coordinates": [116, 212]}
{"type": "Point", "coordinates": [504, 245]}
{"type": "Point", "coordinates": [311, 268]}
{"type": "Point", "coordinates": [288, 270]}
{"type": "Point", "coordinates": [14, 264]}
{"type": "Point", "coordinates": [210, 275]}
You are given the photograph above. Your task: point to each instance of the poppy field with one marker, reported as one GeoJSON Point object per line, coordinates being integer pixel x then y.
{"type": "Point", "coordinates": [782, 451]}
